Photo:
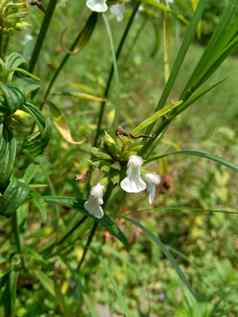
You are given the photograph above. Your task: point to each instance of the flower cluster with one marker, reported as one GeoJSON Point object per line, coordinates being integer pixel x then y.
{"type": "Point", "coordinates": [132, 183]}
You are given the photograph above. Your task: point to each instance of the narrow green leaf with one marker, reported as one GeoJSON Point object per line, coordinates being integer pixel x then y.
{"type": "Point", "coordinates": [106, 222]}
{"type": "Point", "coordinates": [191, 30]}
{"type": "Point", "coordinates": [9, 294]}
{"type": "Point", "coordinates": [198, 94]}
{"type": "Point", "coordinates": [220, 59]}
{"type": "Point", "coordinates": [198, 153]}
{"type": "Point", "coordinates": [217, 50]}
{"type": "Point", "coordinates": [113, 228]}
{"type": "Point", "coordinates": [194, 97]}
{"type": "Point", "coordinates": [36, 142]}
{"type": "Point", "coordinates": [13, 290]}
{"type": "Point", "coordinates": [45, 281]}
{"type": "Point", "coordinates": [78, 44]}
{"type": "Point", "coordinates": [36, 114]}
{"type": "Point", "coordinates": [156, 116]}
{"type": "Point", "coordinates": [186, 209]}
{"type": "Point", "coordinates": [34, 256]}
{"type": "Point", "coordinates": [27, 74]}
{"type": "Point", "coordinates": [13, 97]}
{"type": "Point", "coordinates": [61, 200]}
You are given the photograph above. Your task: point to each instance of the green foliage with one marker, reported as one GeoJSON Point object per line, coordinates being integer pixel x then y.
{"type": "Point", "coordinates": [67, 246]}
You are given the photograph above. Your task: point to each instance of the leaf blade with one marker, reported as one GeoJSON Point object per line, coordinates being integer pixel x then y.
{"type": "Point", "coordinates": [198, 153]}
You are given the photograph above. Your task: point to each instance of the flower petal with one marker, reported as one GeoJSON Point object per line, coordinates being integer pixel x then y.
{"type": "Point", "coordinates": [118, 11]}
{"type": "Point", "coordinates": [99, 6]}
{"type": "Point", "coordinates": [94, 202]}
{"type": "Point", "coordinates": [133, 186]}
{"type": "Point", "coordinates": [133, 183]}
{"type": "Point", "coordinates": [94, 209]}
{"type": "Point", "coordinates": [151, 189]}
{"type": "Point", "coordinates": [152, 181]}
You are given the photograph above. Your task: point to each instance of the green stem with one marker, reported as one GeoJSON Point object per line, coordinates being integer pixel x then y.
{"type": "Point", "coordinates": [67, 235]}
{"type": "Point", "coordinates": [16, 233]}
{"type": "Point", "coordinates": [17, 238]}
{"type": "Point", "coordinates": [110, 77]}
{"type": "Point", "coordinates": [107, 195]}
{"type": "Point", "coordinates": [108, 86]}
{"type": "Point", "coordinates": [83, 36]}
{"type": "Point", "coordinates": [71, 231]}
{"type": "Point", "coordinates": [42, 35]}
{"type": "Point", "coordinates": [90, 239]}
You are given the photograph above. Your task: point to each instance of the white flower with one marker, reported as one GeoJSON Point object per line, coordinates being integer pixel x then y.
{"type": "Point", "coordinates": [152, 180]}
{"type": "Point", "coordinates": [97, 5]}
{"type": "Point", "coordinates": [118, 11]}
{"type": "Point", "coordinates": [95, 201]}
{"type": "Point", "coordinates": [133, 183]}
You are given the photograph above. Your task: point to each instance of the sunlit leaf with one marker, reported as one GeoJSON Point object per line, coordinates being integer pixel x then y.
{"type": "Point", "coordinates": [156, 116]}
{"type": "Point", "coordinates": [65, 132]}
